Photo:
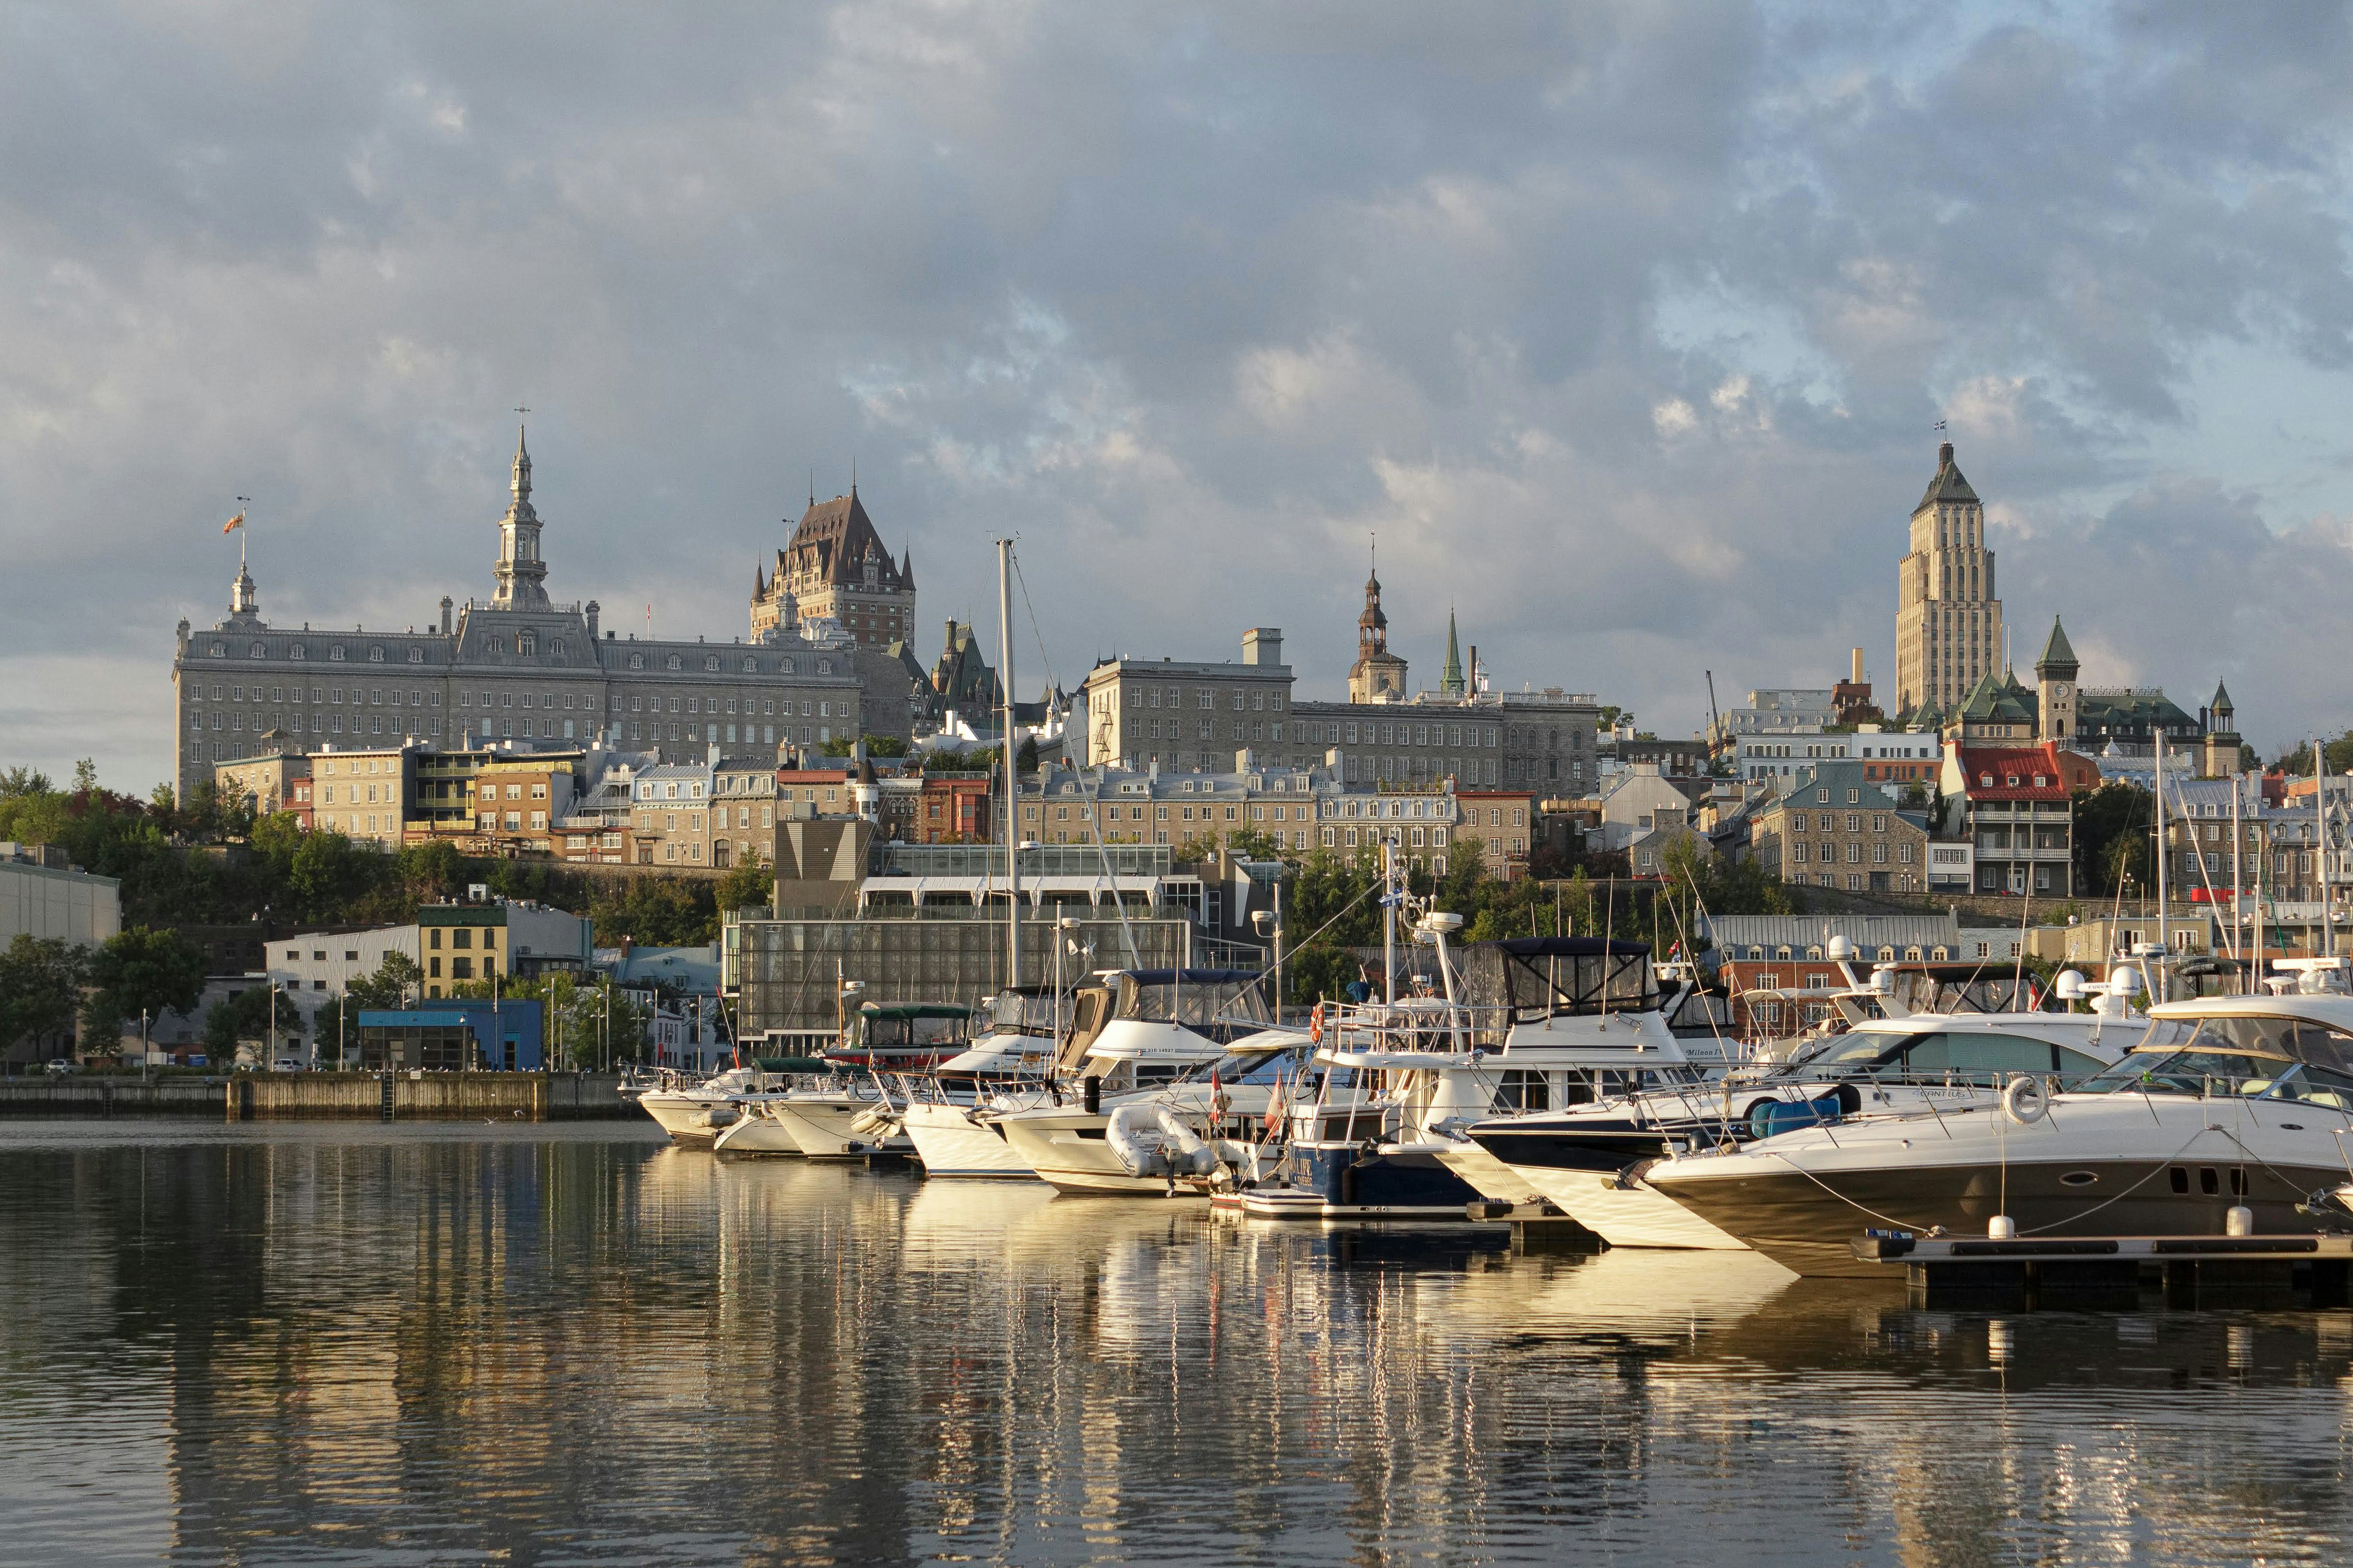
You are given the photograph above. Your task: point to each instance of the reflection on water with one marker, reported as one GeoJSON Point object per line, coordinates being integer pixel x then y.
{"type": "Point", "coordinates": [409, 1345]}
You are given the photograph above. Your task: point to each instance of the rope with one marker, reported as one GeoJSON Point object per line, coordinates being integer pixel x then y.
{"type": "Point", "coordinates": [1906, 1224]}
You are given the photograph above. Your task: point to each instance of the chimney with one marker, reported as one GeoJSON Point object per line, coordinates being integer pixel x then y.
{"type": "Point", "coordinates": [1857, 677]}
{"type": "Point", "coordinates": [593, 607]}
{"type": "Point", "coordinates": [1262, 645]}
{"type": "Point", "coordinates": [445, 614]}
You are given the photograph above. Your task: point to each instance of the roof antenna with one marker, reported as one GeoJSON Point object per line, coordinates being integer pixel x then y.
{"type": "Point", "coordinates": [812, 485]}
{"type": "Point", "coordinates": [853, 475]}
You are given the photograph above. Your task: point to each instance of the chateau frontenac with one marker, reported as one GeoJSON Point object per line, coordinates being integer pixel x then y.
{"type": "Point", "coordinates": [521, 667]}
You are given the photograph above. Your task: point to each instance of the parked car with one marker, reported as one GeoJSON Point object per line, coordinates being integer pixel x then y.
{"type": "Point", "coordinates": [60, 1065]}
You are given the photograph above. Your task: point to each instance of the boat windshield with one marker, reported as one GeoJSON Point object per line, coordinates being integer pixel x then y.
{"type": "Point", "coordinates": [1236, 1067]}
{"type": "Point", "coordinates": [2274, 1058]}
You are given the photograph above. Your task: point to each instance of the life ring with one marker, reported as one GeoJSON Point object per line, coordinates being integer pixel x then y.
{"type": "Point", "coordinates": [1315, 1024]}
{"type": "Point", "coordinates": [2025, 1100]}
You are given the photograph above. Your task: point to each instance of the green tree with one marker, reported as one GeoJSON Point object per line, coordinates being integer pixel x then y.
{"type": "Point", "coordinates": [2112, 831]}
{"type": "Point", "coordinates": [749, 885]}
{"type": "Point", "coordinates": [40, 981]}
{"type": "Point", "coordinates": [140, 971]}
{"type": "Point", "coordinates": [244, 1017]}
{"type": "Point", "coordinates": [390, 986]}
{"type": "Point", "coordinates": [1026, 759]}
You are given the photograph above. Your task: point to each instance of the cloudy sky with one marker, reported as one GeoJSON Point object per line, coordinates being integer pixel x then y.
{"type": "Point", "coordinates": [1624, 328]}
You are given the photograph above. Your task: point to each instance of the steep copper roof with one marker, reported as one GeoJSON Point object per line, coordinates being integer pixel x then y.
{"type": "Point", "coordinates": [1949, 484]}
{"type": "Point", "coordinates": [833, 541]}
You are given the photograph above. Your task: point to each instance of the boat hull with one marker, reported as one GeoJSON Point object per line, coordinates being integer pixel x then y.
{"type": "Point", "coordinates": [688, 1118]}
{"type": "Point", "coordinates": [1071, 1151]}
{"type": "Point", "coordinates": [2120, 1165]}
{"type": "Point", "coordinates": [1628, 1212]}
{"type": "Point", "coordinates": [823, 1127]}
{"type": "Point", "coordinates": [953, 1145]}
{"type": "Point", "coordinates": [1344, 1182]}
{"type": "Point", "coordinates": [1493, 1179]}
{"type": "Point", "coordinates": [759, 1133]}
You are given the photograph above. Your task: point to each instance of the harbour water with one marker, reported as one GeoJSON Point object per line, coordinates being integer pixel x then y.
{"type": "Point", "coordinates": [553, 1344]}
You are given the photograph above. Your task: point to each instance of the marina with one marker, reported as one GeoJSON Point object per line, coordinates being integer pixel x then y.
{"type": "Point", "coordinates": [273, 1342]}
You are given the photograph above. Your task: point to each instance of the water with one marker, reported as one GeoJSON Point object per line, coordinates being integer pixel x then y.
{"type": "Point", "coordinates": [547, 1345]}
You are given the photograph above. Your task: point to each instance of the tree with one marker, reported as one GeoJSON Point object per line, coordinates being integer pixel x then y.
{"type": "Point", "coordinates": [233, 1020]}
{"type": "Point", "coordinates": [2112, 828]}
{"type": "Point", "coordinates": [41, 980]}
{"type": "Point", "coordinates": [395, 977]}
{"type": "Point", "coordinates": [140, 971]}
{"type": "Point", "coordinates": [750, 884]}
{"type": "Point", "coordinates": [1026, 759]}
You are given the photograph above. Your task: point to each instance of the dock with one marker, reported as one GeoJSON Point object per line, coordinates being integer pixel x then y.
{"type": "Point", "coordinates": [2114, 1272]}
{"type": "Point", "coordinates": [324, 1097]}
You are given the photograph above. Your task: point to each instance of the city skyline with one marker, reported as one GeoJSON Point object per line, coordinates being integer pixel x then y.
{"type": "Point", "coordinates": [1656, 310]}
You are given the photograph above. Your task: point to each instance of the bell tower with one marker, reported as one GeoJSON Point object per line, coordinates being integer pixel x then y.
{"type": "Point", "coordinates": [1379, 675]}
{"type": "Point", "coordinates": [2055, 689]}
{"type": "Point", "coordinates": [523, 574]}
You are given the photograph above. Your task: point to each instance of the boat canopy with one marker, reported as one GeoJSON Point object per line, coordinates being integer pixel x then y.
{"type": "Point", "coordinates": [1550, 976]}
{"type": "Point", "coordinates": [1195, 996]}
{"type": "Point", "coordinates": [2312, 1041]}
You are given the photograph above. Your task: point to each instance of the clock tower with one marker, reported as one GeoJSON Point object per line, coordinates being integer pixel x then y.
{"type": "Point", "coordinates": [2054, 679]}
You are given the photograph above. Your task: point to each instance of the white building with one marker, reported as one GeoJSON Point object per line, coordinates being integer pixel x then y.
{"type": "Point", "coordinates": [41, 896]}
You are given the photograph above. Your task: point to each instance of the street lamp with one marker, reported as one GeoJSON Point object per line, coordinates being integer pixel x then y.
{"type": "Point", "coordinates": [1268, 925]}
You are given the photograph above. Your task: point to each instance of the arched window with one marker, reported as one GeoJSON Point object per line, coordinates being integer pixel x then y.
{"type": "Point", "coordinates": [294, 652]}
{"type": "Point", "coordinates": [375, 654]}
{"type": "Point", "coordinates": [825, 666]}
{"type": "Point", "coordinates": [335, 654]}
{"type": "Point", "coordinates": [674, 662]}
{"type": "Point", "coordinates": [555, 647]}
{"type": "Point", "coordinates": [220, 650]}
{"type": "Point", "coordinates": [751, 667]}
{"type": "Point", "coordinates": [258, 651]}
{"type": "Point", "coordinates": [526, 642]}
{"type": "Point", "coordinates": [416, 655]}
{"type": "Point", "coordinates": [711, 661]}
{"type": "Point", "coordinates": [784, 667]}
{"type": "Point", "coordinates": [495, 646]}
{"type": "Point", "coordinates": [637, 661]}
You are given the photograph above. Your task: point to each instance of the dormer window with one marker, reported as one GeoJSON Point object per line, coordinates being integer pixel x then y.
{"type": "Point", "coordinates": [710, 662]}
{"type": "Point", "coordinates": [674, 663]}
{"type": "Point", "coordinates": [637, 661]}
{"type": "Point", "coordinates": [416, 655]}
{"type": "Point", "coordinates": [526, 642]}
{"type": "Point", "coordinates": [555, 647]}
{"type": "Point", "coordinates": [335, 654]}
{"type": "Point", "coordinates": [751, 667]}
{"type": "Point", "coordinates": [220, 650]}
{"type": "Point", "coordinates": [257, 651]}
{"type": "Point", "coordinates": [1985, 781]}
{"type": "Point", "coordinates": [375, 654]}
{"type": "Point", "coordinates": [784, 667]}
{"type": "Point", "coordinates": [825, 666]}
{"type": "Point", "coordinates": [294, 652]}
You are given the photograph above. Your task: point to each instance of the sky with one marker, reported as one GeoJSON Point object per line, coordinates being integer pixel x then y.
{"type": "Point", "coordinates": [1625, 329]}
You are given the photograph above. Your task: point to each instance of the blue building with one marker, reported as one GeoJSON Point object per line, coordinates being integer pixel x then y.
{"type": "Point", "coordinates": [455, 1035]}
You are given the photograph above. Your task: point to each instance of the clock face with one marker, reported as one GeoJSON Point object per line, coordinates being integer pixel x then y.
{"type": "Point", "coordinates": [2060, 689]}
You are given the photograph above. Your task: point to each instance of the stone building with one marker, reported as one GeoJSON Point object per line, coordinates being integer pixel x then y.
{"type": "Point", "coordinates": [1947, 616]}
{"type": "Point", "coordinates": [518, 666]}
{"type": "Point", "coordinates": [836, 568]}
{"type": "Point", "coordinates": [1145, 713]}
{"type": "Point", "coordinates": [1838, 829]}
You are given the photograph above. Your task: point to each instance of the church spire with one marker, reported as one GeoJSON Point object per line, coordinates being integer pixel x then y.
{"type": "Point", "coordinates": [522, 572]}
{"type": "Point", "coordinates": [1449, 679]}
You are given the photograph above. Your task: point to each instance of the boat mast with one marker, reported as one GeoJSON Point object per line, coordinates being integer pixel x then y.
{"type": "Point", "coordinates": [1012, 768]}
{"type": "Point", "coordinates": [2162, 951]}
{"type": "Point", "coordinates": [2238, 926]}
{"type": "Point", "coordinates": [2320, 846]}
{"type": "Point", "coordinates": [1388, 921]}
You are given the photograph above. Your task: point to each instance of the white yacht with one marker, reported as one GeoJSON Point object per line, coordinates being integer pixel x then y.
{"type": "Point", "coordinates": [2229, 1103]}
{"type": "Point", "coordinates": [1164, 1093]}
{"type": "Point", "coordinates": [1589, 1159]}
{"type": "Point", "coordinates": [697, 1113]}
{"type": "Point", "coordinates": [952, 1116]}
{"type": "Point", "coordinates": [1384, 1137]}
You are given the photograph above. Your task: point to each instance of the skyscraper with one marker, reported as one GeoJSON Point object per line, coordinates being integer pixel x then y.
{"type": "Point", "coordinates": [1947, 618]}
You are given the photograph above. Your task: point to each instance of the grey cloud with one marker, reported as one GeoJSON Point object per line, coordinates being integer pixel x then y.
{"type": "Point", "coordinates": [1193, 299]}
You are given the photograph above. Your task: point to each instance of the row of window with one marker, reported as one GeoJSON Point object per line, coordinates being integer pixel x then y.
{"type": "Point", "coordinates": [1829, 822]}
{"type": "Point", "coordinates": [320, 724]}
{"type": "Point", "coordinates": [335, 652]}
{"type": "Point", "coordinates": [1828, 853]}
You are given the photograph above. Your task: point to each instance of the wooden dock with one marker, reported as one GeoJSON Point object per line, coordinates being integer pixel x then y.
{"type": "Point", "coordinates": [2113, 1272]}
{"type": "Point", "coordinates": [323, 1096]}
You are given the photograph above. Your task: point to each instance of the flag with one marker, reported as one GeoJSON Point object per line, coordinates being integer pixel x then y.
{"type": "Point", "coordinates": [236, 522]}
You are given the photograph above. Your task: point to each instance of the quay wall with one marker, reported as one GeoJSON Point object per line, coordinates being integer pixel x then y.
{"type": "Point", "coordinates": [327, 1097]}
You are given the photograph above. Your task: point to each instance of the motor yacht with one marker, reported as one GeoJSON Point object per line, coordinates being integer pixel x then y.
{"type": "Point", "coordinates": [1163, 1093]}
{"type": "Point", "coordinates": [952, 1114]}
{"type": "Point", "coordinates": [2229, 1103]}
{"type": "Point", "coordinates": [697, 1111]}
{"type": "Point", "coordinates": [1384, 1135]}
{"type": "Point", "coordinates": [1589, 1159]}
